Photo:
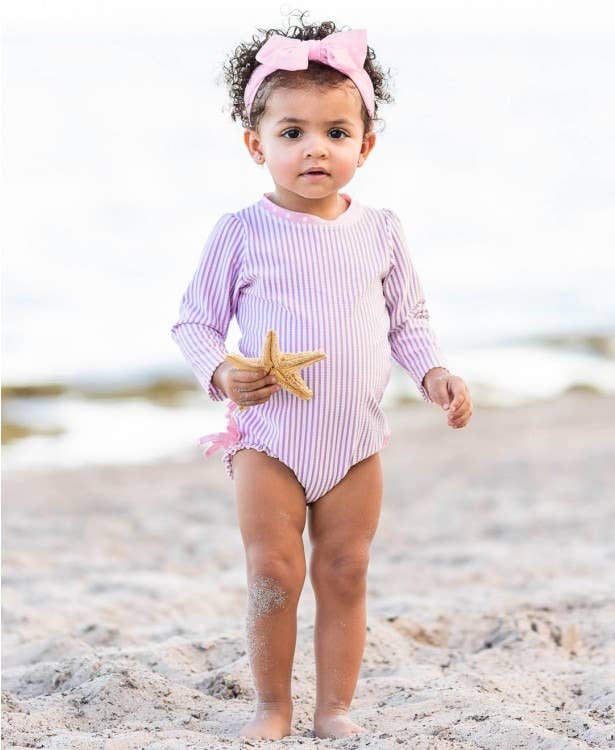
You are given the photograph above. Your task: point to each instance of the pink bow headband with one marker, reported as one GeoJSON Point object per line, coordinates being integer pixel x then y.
{"type": "Point", "coordinates": [343, 50]}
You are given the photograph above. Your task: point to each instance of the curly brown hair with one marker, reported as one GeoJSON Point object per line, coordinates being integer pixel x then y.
{"type": "Point", "coordinates": [238, 68]}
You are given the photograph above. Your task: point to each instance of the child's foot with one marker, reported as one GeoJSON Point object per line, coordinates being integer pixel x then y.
{"type": "Point", "coordinates": [335, 725]}
{"type": "Point", "coordinates": [268, 724]}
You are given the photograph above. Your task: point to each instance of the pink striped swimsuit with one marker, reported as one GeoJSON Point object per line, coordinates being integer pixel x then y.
{"type": "Point", "coordinates": [346, 286]}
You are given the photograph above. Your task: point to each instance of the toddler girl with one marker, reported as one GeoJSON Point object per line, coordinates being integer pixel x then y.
{"type": "Point", "coordinates": [328, 273]}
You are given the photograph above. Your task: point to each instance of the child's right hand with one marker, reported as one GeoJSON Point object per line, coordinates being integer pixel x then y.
{"type": "Point", "coordinates": [244, 387]}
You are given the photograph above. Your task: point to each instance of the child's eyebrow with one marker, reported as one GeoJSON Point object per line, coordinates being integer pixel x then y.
{"type": "Point", "coordinates": [328, 122]}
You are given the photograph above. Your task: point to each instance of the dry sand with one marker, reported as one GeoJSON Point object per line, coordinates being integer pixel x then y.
{"type": "Point", "coordinates": [491, 604]}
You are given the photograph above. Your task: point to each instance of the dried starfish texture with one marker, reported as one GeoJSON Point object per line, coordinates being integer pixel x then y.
{"type": "Point", "coordinates": [283, 365]}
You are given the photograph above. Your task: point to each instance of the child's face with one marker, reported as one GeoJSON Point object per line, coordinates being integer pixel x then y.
{"type": "Point", "coordinates": [326, 130]}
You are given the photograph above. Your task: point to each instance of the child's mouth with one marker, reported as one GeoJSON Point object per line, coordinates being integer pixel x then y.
{"type": "Point", "coordinates": [314, 175]}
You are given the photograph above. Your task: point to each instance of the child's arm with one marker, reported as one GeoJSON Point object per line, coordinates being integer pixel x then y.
{"type": "Point", "coordinates": [413, 342]}
{"type": "Point", "coordinates": [210, 301]}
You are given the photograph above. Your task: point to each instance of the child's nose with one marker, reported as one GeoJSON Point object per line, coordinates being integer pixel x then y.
{"type": "Point", "coordinates": [316, 147]}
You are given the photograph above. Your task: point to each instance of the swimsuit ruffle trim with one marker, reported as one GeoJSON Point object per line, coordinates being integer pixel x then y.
{"type": "Point", "coordinates": [231, 441]}
{"type": "Point", "coordinates": [222, 439]}
{"type": "Point", "coordinates": [230, 452]}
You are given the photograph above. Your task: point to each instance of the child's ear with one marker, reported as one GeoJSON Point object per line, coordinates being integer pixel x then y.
{"type": "Point", "coordinates": [253, 144]}
{"type": "Point", "coordinates": [369, 141]}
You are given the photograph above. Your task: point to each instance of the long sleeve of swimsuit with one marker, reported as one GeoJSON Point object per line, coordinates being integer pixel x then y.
{"type": "Point", "coordinates": [414, 345]}
{"type": "Point", "coordinates": [210, 301]}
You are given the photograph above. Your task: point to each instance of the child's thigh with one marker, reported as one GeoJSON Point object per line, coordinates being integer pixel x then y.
{"type": "Point", "coordinates": [270, 503]}
{"type": "Point", "coordinates": [345, 519]}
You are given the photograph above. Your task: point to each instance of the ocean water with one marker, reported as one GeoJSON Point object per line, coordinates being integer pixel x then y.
{"type": "Point", "coordinates": [119, 157]}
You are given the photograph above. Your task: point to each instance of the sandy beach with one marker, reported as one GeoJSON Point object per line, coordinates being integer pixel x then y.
{"type": "Point", "coordinates": [491, 604]}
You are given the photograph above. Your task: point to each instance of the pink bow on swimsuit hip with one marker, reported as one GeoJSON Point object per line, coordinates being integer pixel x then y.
{"type": "Point", "coordinates": [222, 439]}
{"type": "Point", "coordinates": [343, 50]}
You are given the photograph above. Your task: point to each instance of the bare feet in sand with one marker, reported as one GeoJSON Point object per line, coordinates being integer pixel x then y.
{"type": "Point", "coordinates": [335, 726]}
{"type": "Point", "coordinates": [268, 724]}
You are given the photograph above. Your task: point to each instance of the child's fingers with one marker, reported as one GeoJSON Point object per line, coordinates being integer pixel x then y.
{"type": "Point", "coordinates": [258, 396]}
{"type": "Point", "coordinates": [252, 387]}
{"type": "Point", "coordinates": [459, 393]}
{"type": "Point", "coordinates": [265, 383]}
{"type": "Point", "coordinates": [268, 390]}
{"type": "Point", "coordinates": [247, 376]}
{"type": "Point", "coordinates": [460, 419]}
{"type": "Point", "coordinates": [458, 416]}
{"type": "Point", "coordinates": [251, 379]}
{"type": "Point", "coordinates": [457, 402]}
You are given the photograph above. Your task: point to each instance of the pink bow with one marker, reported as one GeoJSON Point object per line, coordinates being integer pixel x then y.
{"type": "Point", "coordinates": [343, 50]}
{"type": "Point", "coordinates": [222, 439]}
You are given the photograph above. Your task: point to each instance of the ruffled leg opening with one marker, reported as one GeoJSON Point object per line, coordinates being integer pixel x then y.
{"type": "Point", "coordinates": [230, 452]}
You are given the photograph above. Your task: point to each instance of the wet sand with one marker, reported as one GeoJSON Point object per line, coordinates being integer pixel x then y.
{"type": "Point", "coordinates": [491, 604]}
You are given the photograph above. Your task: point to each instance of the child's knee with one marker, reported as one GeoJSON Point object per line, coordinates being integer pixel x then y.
{"type": "Point", "coordinates": [265, 594]}
{"type": "Point", "coordinates": [340, 574]}
{"type": "Point", "coordinates": [275, 579]}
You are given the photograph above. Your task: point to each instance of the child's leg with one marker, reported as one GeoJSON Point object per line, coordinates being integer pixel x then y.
{"type": "Point", "coordinates": [271, 511]}
{"type": "Point", "coordinates": [342, 524]}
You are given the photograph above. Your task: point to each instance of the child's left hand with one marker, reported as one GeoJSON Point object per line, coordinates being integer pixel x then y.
{"type": "Point", "coordinates": [451, 393]}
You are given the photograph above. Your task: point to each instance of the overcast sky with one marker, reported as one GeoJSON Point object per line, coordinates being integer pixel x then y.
{"type": "Point", "coordinates": [551, 17]}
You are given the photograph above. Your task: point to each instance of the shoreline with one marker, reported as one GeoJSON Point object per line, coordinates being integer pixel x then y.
{"type": "Point", "coordinates": [22, 423]}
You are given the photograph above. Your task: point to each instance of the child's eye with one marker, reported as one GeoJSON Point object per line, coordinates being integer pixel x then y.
{"type": "Point", "coordinates": [296, 130]}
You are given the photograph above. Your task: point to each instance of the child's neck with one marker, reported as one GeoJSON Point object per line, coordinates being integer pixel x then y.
{"type": "Point", "coordinates": [327, 207]}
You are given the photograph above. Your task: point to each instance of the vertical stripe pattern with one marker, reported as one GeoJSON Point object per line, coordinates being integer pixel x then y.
{"type": "Point", "coordinates": [346, 286]}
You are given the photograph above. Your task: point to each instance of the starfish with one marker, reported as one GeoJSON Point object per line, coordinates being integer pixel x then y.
{"type": "Point", "coordinates": [283, 365]}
